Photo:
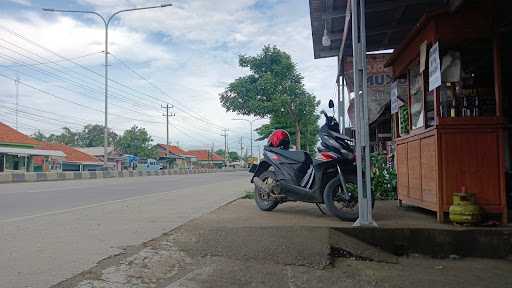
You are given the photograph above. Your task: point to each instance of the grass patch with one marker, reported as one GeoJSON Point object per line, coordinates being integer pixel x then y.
{"type": "Point", "coordinates": [248, 194]}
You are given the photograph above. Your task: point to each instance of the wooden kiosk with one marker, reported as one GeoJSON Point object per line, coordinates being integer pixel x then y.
{"type": "Point", "coordinates": [451, 136]}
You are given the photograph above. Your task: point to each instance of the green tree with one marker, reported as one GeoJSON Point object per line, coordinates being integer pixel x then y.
{"type": "Point", "coordinates": [233, 155]}
{"type": "Point", "coordinates": [92, 135]}
{"type": "Point", "coordinates": [220, 152]}
{"type": "Point", "coordinates": [309, 129]}
{"type": "Point", "coordinates": [136, 141]}
{"type": "Point", "coordinates": [273, 89]}
{"type": "Point", "coordinates": [39, 136]}
{"type": "Point", "coordinates": [68, 137]}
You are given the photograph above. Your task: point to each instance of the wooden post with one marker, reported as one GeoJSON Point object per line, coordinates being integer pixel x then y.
{"type": "Point", "coordinates": [497, 74]}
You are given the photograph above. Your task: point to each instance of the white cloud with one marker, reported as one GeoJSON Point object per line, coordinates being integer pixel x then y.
{"type": "Point", "coordinates": [69, 37]}
{"type": "Point", "coordinates": [22, 2]}
{"type": "Point", "coordinates": [190, 50]}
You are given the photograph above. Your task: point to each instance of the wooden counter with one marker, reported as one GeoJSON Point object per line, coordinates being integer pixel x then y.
{"type": "Point", "coordinates": [434, 163]}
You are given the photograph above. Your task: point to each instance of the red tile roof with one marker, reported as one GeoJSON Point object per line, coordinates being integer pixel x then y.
{"type": "Point", "coordinates": [203, 155]}
{"type": "Point", "coordinates": [72, 154]}
{"type": "Point", "coordinates": [11, 135]}
{"type": "Point", "coordinates": [173, 149]}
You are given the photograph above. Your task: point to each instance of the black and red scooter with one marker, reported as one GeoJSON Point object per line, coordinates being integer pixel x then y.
{"type": "Point", "coordinates": [284, 175]}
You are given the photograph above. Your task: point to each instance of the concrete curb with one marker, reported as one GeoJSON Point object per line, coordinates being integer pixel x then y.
{"type": "Point", "coordinates": [61, 176]}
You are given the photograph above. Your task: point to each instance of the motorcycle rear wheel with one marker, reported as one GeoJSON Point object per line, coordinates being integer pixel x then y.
{"type": "Point", "coordinates": [263, 201]}
{"type": "Point", "coordinates": [334, 196]}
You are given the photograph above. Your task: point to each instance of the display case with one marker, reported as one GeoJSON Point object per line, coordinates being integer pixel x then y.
{"type": "Point", "coordinates": [450, 132]}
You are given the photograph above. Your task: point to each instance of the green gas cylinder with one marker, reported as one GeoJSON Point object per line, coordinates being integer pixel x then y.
{"type": "Point", "coordinates": [464, 209]}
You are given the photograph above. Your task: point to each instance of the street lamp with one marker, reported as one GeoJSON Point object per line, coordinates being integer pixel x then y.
{"type": "Point", "coordinates": [106, 21]}
{"type": "Point", "coordinates": [250, 123]}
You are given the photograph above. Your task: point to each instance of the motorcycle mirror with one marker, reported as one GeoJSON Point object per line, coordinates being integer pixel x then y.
{"type": "Point", "coordinates": [331, 103]}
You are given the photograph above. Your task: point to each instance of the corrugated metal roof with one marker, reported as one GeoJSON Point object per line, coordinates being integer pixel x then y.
{"type": "Point", "coordinates": [387, 23]}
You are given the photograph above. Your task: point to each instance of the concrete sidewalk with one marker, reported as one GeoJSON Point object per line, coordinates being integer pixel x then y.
{"type": "Point", "coordinates": [294, 246]}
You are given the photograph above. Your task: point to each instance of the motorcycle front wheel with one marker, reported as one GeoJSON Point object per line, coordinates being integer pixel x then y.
{"type": "Point", "coordinates": [264, 201]}
{"type": "Point", "coordinates": [342, 204]}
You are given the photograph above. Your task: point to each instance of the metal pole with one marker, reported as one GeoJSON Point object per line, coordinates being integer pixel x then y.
{"type": "Point", "coordinates": [250, 125]}
{"type": "Point", "coordinates": [339, 101]}
{"type": "Point", "coordinates": [241, 148]}
{"type": "Point", "coordinates": [17, 84]}
{"type": "Point", "coordinates": [167, 126]}
{"type": "Point", "coordinates": [250, 122]}
{"type": "Point", "coordinates": [366, 130]}
{"type": "Point", "coordinates": [343, 103]}
{"type": "Point", "coordinates": [361, 101]}
{"type": "Point", "coordinates": [105, 140]}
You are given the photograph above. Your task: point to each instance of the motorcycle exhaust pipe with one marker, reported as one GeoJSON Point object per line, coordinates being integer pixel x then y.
{"type": "Point", "coordinates": [257, 181]}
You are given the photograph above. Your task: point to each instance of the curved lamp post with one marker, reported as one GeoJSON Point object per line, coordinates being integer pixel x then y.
{"type": "Point", "coordinates": [106, 21]}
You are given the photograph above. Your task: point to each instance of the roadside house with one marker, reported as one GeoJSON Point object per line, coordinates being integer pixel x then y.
{"type": "Point", "coordinates": [175, 157]}
{"type": "Point", "coordinates": [74, 159]}
{"type": "Point", "coordinates": [19, 153]}
{"type": "Point", "coordinates": [114, 158]}
{"type": "Point", "coordinates": [206, 158]}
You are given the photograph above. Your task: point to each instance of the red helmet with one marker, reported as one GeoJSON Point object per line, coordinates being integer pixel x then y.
{"type": "Point", "coordinates": [279, 139]}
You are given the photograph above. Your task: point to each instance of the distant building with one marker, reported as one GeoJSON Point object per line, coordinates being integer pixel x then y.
{"type": "Point", "coordinates": [114, 158]}
{"type": "Point", "coordinates": [206, 158]}
{"type": "Point", "coordinates": [172, 156]}
{"type": "Point", "coordinates": [75, 160]}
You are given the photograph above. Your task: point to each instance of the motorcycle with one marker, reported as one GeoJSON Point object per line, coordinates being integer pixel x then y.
{"type": "Point", "coordinates": [329, 179]}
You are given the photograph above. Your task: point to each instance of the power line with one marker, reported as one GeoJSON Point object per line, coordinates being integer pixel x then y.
{"type": "Point", "coordinates": [100, 75]}
{"type": "Point", "coordinates": [42, 117]}
{"type": "Point", "coordinates": [54, 113]}
{"type": "Point", "coordinates": [82, 76]}
{"type": "Point", "coordinates": [56, 61]}
{"type": "Point", "coordinates": [184, 110]}
{"type": "Point", "coordinates": [72, 102]}
{"type": "Point", "coordinates": [58, 77]}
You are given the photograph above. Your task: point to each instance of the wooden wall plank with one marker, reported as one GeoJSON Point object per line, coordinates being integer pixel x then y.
{"type": "Point", "coordinates": [414, 164]}
{"type": "Point", "coordinates": [429, 169]}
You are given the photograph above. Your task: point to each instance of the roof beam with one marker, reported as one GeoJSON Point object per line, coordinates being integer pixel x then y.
{"type": "Point", "coordinates": [344, 37]}
{"type": "Point", "coordinates": [329, 5]}
{"type": "Point", "coordinates": [397, 15]}
{"type": "Point", "coordinates": [385, 29]}
{"type": "Point", "coordinates": [455, 4]}
{"type": "Point", "coordinates": [386, 6]}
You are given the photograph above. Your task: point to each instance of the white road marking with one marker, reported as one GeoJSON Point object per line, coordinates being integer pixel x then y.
{"type": "Point", "coordinates": [82, 207]}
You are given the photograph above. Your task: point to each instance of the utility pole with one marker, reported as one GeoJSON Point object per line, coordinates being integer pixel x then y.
{"type": "Point", "coordinates": [241, 148]}
{"type": "Point", "coordinates": [17, 84]}
{"type": "Point", "coordinates": [210, 155]}
{"type": "Point", "coordinates": [106, 21]}
{"type": "Point", "coordinates": [226, 154]}
{"type": "Point", "coordinates": [167, 115]}
{"type": "Point", "coordinates": [250, 125]}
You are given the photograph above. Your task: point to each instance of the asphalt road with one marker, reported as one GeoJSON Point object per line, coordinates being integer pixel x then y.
{"type": "Point", "coordinates": [50, 231]}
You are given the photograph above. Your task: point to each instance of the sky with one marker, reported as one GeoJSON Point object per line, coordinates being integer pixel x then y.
{"type": "Point", "coordinates": [184, 55]}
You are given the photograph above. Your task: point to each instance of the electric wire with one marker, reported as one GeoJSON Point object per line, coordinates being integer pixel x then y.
{"type": "Point", "coordinates": [97, 74]}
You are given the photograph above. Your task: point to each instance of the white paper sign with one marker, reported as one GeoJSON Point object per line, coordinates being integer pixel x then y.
{"type": "Point", "coordinates": [434, 68]}
{"type": "Point", "coordinates": [394, 97]}
{"type": "Point", "coordinates": [423, 55]}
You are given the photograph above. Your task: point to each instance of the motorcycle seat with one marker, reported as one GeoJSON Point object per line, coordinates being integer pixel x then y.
{"type": "Point", "coordinates": [297, 156]}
